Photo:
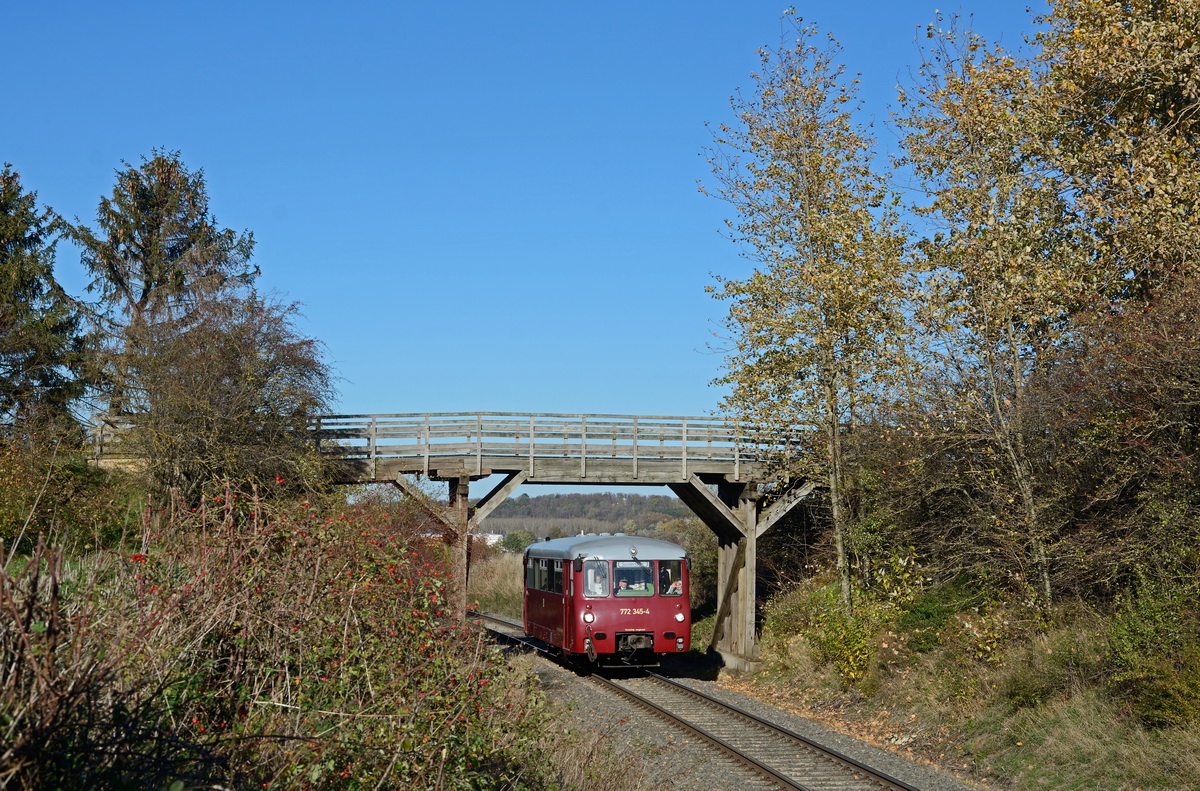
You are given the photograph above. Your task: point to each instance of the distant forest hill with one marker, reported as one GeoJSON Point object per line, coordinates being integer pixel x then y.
{"type": "Point", "coordinates": [566, 514]}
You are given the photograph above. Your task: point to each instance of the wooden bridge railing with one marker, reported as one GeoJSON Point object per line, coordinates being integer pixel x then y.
{"type": "Point", "coordinates": [416, 438]}
{"type": "Point", "coordinates": [532, 436]}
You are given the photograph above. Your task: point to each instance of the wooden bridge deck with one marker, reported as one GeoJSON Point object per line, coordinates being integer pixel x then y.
{"type": "Point", "coordinates": [544, 448]}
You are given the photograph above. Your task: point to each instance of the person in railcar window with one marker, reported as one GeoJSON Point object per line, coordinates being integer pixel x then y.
{"type": "Point", "coordinates": [596, 577]}
{"type": "Point", "coordinates": [638, 576]}
{"type": "Point", "coordinates": [670, 577]}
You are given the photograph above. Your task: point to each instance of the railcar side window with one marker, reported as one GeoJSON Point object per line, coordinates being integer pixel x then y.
{"type": "Point", "coordinates": [634, 578]}
{"type": "Point", "coordinates": [595, 578]}
{"type": "Point", "coordinates": [670, 577]}
{"type": "Point", "coordinates": [545, 575]}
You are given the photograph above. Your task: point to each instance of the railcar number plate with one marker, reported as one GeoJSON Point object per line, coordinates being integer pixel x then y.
{"type": "Point", "coordinates": [635, 611]}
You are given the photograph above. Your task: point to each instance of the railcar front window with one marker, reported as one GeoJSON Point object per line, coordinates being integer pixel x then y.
{"type": "Point", "coordinates": [670, 577]}
{"type": "Point", "coordinates": [634, 578]}
{"type": "Point", "coordinates": [595, 578]}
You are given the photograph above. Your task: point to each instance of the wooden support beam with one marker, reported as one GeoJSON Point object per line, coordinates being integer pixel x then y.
{"type": "Point", "coordinates": [459, 512]}
{"type": "Point", "coordinates": [783, 506]}
{"type": "Point", "coordinates": [725, 596]}
{"type": "Point", "coordinates": [706, 505]}
{"type": "Point", "coordinates": [430, 506]}
{"type": "Point", "coordinates": [498, 495]}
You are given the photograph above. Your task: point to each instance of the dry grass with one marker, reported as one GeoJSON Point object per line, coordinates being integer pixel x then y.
{"type": "Point", "coordinates": [496, 583]}
{"type": "Point", "coordinates": [1085, 742]}
{"type": "Point", "coordinates": [1035, 711]}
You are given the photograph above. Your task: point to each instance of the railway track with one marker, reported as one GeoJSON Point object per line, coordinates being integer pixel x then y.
{"type": "Point", "coordinates": [776, 755]}
{"type": "Point", "coordinates": [773, 752]}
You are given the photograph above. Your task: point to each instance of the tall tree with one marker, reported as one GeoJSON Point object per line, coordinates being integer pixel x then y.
{"type": "Point", "coordinates": [39, 330]}
{"type": "Point", "coordinates": [1120, 95]}
{"type": "Point", "coordinates": [228, 396]}
{"type": "Point", "coordinates": [1006, 269]}
{"type": "Point", "coordinates": [156, 254]}
{"type": "Point", "coordinates": [817, 328]}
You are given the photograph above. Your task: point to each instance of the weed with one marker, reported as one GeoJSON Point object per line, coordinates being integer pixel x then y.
{"type": "Point", "coordinates": [495, 583]}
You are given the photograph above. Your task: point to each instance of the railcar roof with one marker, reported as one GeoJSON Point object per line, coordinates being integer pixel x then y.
{"type": "Point", "coordinates": [604, 546]}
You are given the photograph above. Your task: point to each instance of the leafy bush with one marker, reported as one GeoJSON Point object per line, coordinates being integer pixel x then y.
{"type": "Point", "coordinates": [1056, 664]}
{"type": "Point", "coordinates": [517, 540]}
{"type": "Point", "coordinates": [845, 640]}
{"type": "Point", "coordinates": [47, 487]}
{"type": "Point", "coordinates": [1152, 647]}
{"type": "Point", "coordinates": [242, 645]}
{"type": "Point", "coordinates": [932, 610]}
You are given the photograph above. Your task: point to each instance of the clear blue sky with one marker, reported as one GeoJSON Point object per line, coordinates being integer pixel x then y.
{"type": "Point", "coordinates": [480, 205]}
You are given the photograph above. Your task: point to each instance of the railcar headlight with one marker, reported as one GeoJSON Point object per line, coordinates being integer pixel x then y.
{"type": "Point", "coordinates": [589, 617]}
{"type": "Point", "coordinates": [680, 617]}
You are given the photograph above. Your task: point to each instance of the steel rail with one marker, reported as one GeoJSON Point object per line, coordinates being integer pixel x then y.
{"type": "Point", "coordinates": [883, 779]}
{"type": "Point", "coordinates": [732, 752]}
{"type": "Point", "coordinates": [843, 762]}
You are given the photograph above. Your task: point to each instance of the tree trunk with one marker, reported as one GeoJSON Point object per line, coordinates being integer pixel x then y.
{"type": "Point", "coordinates": [1008, 437]}
{"type": "Point", "coordinates": [834, 440]}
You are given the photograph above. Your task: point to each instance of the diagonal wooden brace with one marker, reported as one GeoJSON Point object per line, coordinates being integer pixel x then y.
{"type": "Point", "coordinates": [783, 506]}
{"type": "Point", "coordinates": [725, 596]}
{"type": "Point", "coordinates": [498, 495]}
{"type": "Point", "coordinates": [706, 505]}
{"type": "Point", "coordinates": [430, 506]}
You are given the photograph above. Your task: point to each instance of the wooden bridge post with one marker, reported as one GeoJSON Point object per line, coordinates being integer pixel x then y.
{"type": "Point", "coordinates": [460, 516]}
{"type": "Point", "coordinates": [732, 514]}
{"type": "Point", "coordinates": [737, 573]}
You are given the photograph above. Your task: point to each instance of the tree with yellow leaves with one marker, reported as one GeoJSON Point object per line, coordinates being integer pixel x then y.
{"type": "Point", "coordinates": [816, 331]}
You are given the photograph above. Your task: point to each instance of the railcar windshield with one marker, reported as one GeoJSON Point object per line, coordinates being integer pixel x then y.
{"type": "Point", "coordinates": [633, 578]}
{"type": "Point", "coordinates": [670, 577]}
{"type": "Point", "coordinates": [595, 578]}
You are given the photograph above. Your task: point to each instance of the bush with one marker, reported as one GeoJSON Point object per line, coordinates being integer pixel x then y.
{"type": "Point", "coordinates": [517, 540]}
{"type": "Point", "coordinates": [845, 640]}
{"type": "Point", "coordinates": [1057, 664]}
{"type": "Point", "coordinates": [924, 618]}
{"type": "Point", "coordinates": [244, 646]}
{"type": "Point", "coordinates": [48, 487]}
{"type": "Point", "coordinates": [1152, 647]}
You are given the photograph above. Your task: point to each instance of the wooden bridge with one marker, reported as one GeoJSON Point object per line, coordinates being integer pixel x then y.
{"type": "Point", "coordinates": [632, 450]}
{"type": "Point", "coordinates": [718, 469]}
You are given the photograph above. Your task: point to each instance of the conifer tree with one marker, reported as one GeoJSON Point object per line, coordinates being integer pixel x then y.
{"type": "Point", "coordinates": [156, 254]}
{"type": "Point", "coordinates": [39, 329]}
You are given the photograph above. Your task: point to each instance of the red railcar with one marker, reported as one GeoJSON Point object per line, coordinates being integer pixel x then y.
{"type": "Point", "coordinates": [614, 599]}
